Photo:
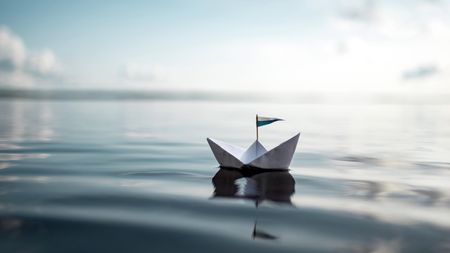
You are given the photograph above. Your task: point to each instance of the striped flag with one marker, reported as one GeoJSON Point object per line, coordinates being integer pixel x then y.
{"type": "Point", "coordinates": [262, 121]}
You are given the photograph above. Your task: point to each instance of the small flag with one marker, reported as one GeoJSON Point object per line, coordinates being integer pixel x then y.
{"type": "Point", "coordinates": [262, 121]}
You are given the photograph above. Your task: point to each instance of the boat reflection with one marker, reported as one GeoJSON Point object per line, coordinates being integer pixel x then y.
{"type": "Point", "coordinates": [258, 185]}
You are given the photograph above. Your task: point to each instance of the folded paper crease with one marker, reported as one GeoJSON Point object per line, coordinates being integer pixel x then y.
{"type": "Point", "coordinates": [256, 155]}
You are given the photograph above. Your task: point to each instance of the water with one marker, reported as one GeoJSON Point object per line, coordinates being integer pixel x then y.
{"type": "Point", "coordinates": [120, 175]}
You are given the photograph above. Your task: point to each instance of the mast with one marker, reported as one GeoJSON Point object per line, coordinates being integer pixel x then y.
{"type": "Point", "coordinates": [256, 127]}
{"type": "Point", "coordinates": [256, 147]}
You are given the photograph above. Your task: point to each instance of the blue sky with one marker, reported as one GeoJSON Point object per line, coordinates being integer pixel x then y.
{"type": "Point", "coordinates": [323, 46]}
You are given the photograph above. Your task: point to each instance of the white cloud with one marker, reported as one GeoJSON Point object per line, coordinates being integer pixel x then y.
{"type": "Point", "coordinates": [395, 41]}
{"type": "Point", "coordinates": [421, 72]}
{"type": "Point", "coordinates": [20, 67]}
{"type": "Point", "coordinates": [367, 46]}
{"type": "Point", "coordinates": [360, 11]}
{"type": "Point", "coordinates": [12, 50]}
{"type": "Point", "coordinates": [43, 63]}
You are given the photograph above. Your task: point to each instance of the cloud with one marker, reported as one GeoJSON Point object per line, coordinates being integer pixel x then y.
{"type": "Point", "coordinates": [12, 53]}
{"type": "Point", "coordinates": [20, 67]}
{"type": "Point", "coordinates": [420, 72]}
{"type": "Point", "coordinates": [360, 11]}
{"type": "Point", "coordinates": [43, 63]}
{"type": "Point", "coordinates": [399, 41]}
{"type": "Point", "coordinates": [383, 19]}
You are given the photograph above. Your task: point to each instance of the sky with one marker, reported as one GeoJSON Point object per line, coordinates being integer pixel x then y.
{"type": "Point", "coordinates": [366, 46]}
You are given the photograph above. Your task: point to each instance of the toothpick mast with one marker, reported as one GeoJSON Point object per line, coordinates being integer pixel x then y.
{"type": "Point", "coordinates": [256, 148]}
{"type": "Point", "coordinates": [256, 126]}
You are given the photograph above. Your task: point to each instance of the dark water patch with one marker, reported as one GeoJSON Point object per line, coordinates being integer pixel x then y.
{"type": "Point", "coordinates": [360, 159]}
{"type": "Point", "coordinates": [292, 227]}
{"type": "Point", "coordinates": [365, 188]}
{"type": "Point", "coordinates": [433, 165]}
{"type": "Point", "coordinates": [62, 235]}
{"type": "Point", "coordinates": [429, 196]}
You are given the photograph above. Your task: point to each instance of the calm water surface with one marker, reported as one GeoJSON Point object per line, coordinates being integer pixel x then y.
{"type": "Point", "coordinates": [126, 176]}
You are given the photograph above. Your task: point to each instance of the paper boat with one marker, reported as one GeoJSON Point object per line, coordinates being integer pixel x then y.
{"type": "Point", "coordinates": [256, 155]}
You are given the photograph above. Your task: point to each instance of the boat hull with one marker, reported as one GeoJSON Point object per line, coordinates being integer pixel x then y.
{"type": "Point", "coordinates": [256, 156]}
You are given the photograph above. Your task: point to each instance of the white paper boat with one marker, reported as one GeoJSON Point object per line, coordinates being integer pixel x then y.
{"type": "Point", "coordinates": [256, 155]}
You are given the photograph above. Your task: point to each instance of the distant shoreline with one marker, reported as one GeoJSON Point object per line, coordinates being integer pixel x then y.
{"type": "Point", "coordinates": [224, 96]}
